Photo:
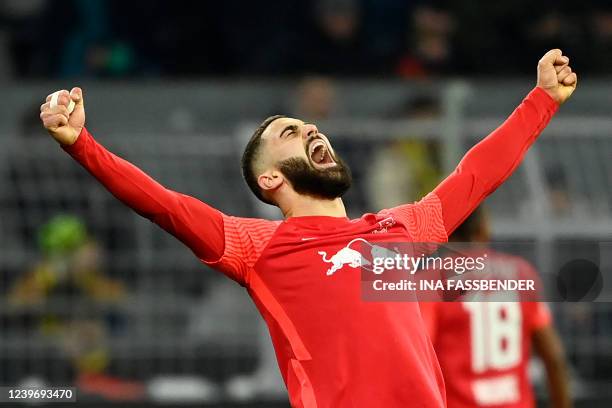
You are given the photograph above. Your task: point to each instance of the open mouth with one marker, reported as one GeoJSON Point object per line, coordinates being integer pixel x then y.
{"type": "Point", "coordinates": [319, 154]}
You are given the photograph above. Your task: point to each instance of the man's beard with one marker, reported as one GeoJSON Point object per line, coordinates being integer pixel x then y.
{"type": "Point", "coordinates": [326, 184]}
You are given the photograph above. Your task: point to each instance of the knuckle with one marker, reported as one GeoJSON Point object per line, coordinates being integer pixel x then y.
{"type": "Point", "coordinates": [59, 110]}
{"type": "Point", "coordinates": [50, 119]}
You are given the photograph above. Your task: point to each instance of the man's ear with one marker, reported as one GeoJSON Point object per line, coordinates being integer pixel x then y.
{"type": "Point", "coordinates": [270, 180]}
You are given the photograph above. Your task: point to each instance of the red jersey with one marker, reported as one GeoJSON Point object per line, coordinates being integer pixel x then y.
{"type": "Point", "coordinates": [333, 349]}
{"type": "Point", "coordinates": [484, 347]}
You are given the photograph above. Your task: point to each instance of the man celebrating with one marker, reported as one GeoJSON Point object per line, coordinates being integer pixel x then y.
{"type": "Point", "coordinates": [333, 349]}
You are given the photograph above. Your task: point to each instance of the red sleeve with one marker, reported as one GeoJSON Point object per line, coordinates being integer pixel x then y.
{"type": "Point", "coordinates": [202, 228]}
{"type": "Point", "coordinates": [423, 220]}
{"type": "Point", "coordinates": [537, 315]}
{"type": "Point", "coordinates": [245, 240]}
{"type": "Point", "coordinates": [429, 313]}
{"type": "Point", "coordinates": [490, 162]}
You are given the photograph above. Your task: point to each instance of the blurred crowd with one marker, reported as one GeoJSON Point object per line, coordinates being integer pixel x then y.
{"type": "Point", "coordinates": [406, 38]}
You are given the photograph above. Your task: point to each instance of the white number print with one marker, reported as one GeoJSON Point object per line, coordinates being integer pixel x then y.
{"type": "Point", "coordinates": [496, 334]}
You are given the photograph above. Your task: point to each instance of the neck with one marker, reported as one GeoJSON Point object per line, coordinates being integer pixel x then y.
{"type": "Point", "coordinates": [314, 206]}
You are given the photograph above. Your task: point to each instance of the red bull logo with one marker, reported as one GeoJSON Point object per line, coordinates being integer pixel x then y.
{"type": "Point", "coordinates": [345, 256]}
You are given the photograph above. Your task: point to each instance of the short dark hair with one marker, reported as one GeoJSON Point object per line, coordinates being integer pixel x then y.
{"type": "Point", "coordinates": [250, 155]}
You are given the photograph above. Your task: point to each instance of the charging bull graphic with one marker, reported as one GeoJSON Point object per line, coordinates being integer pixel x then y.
{"type": "Point", "coordinates": [345, 256]}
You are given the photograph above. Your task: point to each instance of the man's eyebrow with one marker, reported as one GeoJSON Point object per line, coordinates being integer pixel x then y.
{"type": "Point", "coordinates": [290, 127]}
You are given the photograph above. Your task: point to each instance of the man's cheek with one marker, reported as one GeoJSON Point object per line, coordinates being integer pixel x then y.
{"type": "Point", "coordinates": [290, 153]}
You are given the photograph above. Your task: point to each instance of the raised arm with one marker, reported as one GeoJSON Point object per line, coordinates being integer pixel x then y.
{"type": "Point", "coordinates": [196, 224]}
{"type": "Point", "coordinates": [229, 244]}
{"type": "Point", "coordinates": [492, 161]}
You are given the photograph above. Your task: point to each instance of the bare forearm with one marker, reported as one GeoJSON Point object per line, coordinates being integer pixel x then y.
{"type": "Point", "coordinates": [547, 345]}
{"type": "Point", "coordinates": [558, 384]}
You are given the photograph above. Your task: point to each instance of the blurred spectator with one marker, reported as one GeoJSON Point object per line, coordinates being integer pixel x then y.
{"type": "Point", "coordinates": [316, 99]}
{"type": "Point", "coordinates": [92, 48]}
{"type": "Point", "coordinates": [563, 202]}
{"type": "Point", "coordinates": [71, 259]}
{"type": "Point", "coordinates": [407, 168]}
{"type": "Point", "coordinates": [21, 26]}
{"type": "Point", "coordinates": [490, 36]}
{"type": "Point", "coordinates": [555, 28]}
{"type": "Point", "coordinates": [333, 41]}
{"type": "Point", "coordinates": [558, 194]}
{"type": "Point", "coordinates": [384, 26]}
{"type": "Point", "coordinates": [67, 298]}
{"type": "Point", "coordinates": [429, 49]}
{"type": "Point", "coordinates": [599, 36]}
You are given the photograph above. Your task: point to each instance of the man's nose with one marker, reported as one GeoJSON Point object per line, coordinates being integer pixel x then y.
{"type": "Point", "coordinates": [309, 130]}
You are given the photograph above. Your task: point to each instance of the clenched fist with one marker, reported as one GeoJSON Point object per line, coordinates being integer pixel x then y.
{"type": "Point", "coordinates": [555, 76]}
{"type": "Point", "coordinates": [65, 127]}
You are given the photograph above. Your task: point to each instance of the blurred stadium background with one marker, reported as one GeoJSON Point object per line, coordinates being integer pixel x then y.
{"type": "Point", "coordinates": [94, 296]}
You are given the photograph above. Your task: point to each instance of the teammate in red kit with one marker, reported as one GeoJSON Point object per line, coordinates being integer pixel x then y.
{"type": "Point", "coordinates": [333, 349]}
{"type": "Point", "coordinates": [484, 347]}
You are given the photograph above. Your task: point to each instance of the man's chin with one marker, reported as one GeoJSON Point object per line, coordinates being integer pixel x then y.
{"type": "Point", "coordinates": [332, 184]}
{"type": "Point", "coordinates": [326, 183]}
